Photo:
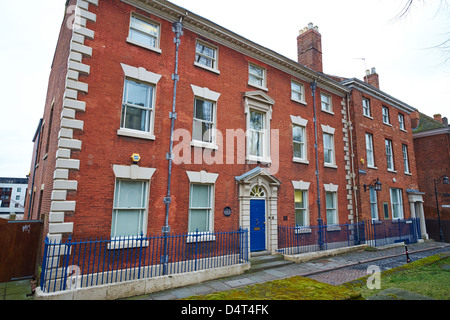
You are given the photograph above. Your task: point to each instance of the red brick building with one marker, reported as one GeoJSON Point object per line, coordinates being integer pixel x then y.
{"type": "Point", "coordinates": [432, 148]}
{"type": "Point", "coordinates": [380, 143]}
{"type": "Point", "coordinates": [243, 137]}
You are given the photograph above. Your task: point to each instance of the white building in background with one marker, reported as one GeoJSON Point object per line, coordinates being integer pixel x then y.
{"type": "Point", "coordinates": [12, 197]}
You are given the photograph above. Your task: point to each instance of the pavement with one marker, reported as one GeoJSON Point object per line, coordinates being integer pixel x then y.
{"type": "Point", "coordinates": [334, 270]}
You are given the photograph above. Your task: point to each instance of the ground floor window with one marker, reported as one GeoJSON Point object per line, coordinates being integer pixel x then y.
{"type": "Point", "coordinates": [396, 203]}
{"type": "Point", "coordinates": [130, 208]}
{"type": "Point", "coordinates": [200, 208]}
{"type": "Point", "coordinates": [331, 208]}
{"type": "Point", "coordinates": [301, 208]}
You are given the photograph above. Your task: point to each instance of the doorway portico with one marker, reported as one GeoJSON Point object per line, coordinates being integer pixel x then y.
{"type": "Point", "coordinates": [258, 203]}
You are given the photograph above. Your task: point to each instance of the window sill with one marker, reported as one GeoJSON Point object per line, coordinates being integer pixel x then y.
{"type": "Point", "coordinates": [391, 171]}
{"type": "Point", "coordinates": [369, 117]}
{"type": "Point", "coordinates": [298, 160]}
{"type": "Point", "coordinates": [255, 86]}
{"type": "Point", "coordinates": [206, 68]}
{"type": "Point", "coordinates": [333, 166]}
{"type": "Point", "coordinates": [135, 134]}
{"type": "Point", "coordinates": [326, 111]}
{"type": "Point", "coordinates": [333, 228]}
{"type": "Point", "coordinates": [403, 130]}
{"type": "Point", "coordinates": [256, 159]}
{"type": "Point", "coordinates": [299, 101]}
{"type": "Point", "coordinates": [387, 124]}
{"type": "Point", "coordinates": [200, 237]}
{"type": "Point", "coordinates": [123, 243]}
{"type": "Point", "coordinates": [408, 173]}
{"type": "Point", "coordinates": [373, 168]}
{"type": "Point", "coordinates": [131, 41]}
{"type": "Point", "coordinates": [301, 230]}
{"type": "Point", "coordinates": [201, 144]}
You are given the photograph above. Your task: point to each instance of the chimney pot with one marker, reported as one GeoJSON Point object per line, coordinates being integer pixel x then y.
{"type": "Point", "coordinates": [438, 117]}
{"type": "Point", "coordinates": [445, 121]}
{"type": "Point", "coordinates": [373, 71]}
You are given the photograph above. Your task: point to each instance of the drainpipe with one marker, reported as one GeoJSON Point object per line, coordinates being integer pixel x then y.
{"type": "Point", "coordinates": [177, 28]}
{"type": "Point", "coordinates": [316, 147]}
{"type": "Point", "coordinates": [353, 173]}
{"type": "Point", "coordinates": [34, 167]}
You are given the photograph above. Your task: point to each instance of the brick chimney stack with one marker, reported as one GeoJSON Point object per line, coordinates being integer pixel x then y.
{"type": "Point", "coordinates": [309, 48]}
{"type": "Point", "coordinates": [372, 78]}
{"type": "Point", "coordinates": [438, 117]}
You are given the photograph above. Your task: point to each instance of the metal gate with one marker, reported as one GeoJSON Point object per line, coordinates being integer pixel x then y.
{"type": "Point", "coordinates": [19, 245]}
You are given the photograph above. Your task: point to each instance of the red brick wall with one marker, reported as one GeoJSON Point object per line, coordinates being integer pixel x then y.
{"type": "Point", "coordinates": [433, 161]}
{"type": "Point", "coordinates": [380, 132]}
{"type": "Point", "coordinates": [102, 147]}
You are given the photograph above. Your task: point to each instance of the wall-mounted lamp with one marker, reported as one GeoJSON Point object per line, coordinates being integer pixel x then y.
{"type": "Point", "coordinates": [375, 183]}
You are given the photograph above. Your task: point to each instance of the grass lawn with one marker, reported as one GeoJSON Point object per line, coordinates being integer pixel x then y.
{"type": "Point", "coordinates": [429, 277]}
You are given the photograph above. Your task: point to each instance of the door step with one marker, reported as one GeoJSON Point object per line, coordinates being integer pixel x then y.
{"type": "Point", "coordinates": [264, 260]}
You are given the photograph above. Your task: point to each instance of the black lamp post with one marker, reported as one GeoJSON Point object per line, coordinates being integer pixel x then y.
{"type": "Point", "coordinates": [445, 180]}
{"type": "Point", "coordinates": [375, 183]}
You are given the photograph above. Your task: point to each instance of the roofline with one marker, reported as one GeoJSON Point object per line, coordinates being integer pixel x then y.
{"type": "Point", "coordinates": [431, 132]}
{"type": "Point", "coordinates": [367, 88]}
{"type": "Point", "coordinates": [215, 32]}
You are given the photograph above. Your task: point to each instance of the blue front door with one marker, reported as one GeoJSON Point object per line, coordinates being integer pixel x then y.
{"type": "Point", "coordinates": [257, 225]}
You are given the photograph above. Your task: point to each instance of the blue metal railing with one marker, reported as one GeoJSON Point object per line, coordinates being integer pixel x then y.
{"type": "Point", "coordinates": [383, 232]}
{"type": "Point", "coordinates": [75, 264]}
{"type": "Point", "coordinates": [294, 240]}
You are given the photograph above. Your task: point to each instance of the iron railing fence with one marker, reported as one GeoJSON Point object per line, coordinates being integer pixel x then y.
{"type": "Point", "coordinates": [383, 232]}
{"type": "Point", "coordinates": [76, 264]}
{"type": "Point", "coordinates": [295, 240]}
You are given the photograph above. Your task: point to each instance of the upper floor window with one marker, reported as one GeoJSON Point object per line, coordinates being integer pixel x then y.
{"type": "Point", "coordinates": [389, 155]}
{"type": "Point", "coordinates": [137, 106]}
{"type": "Point", "coordinates": [326, 102]}
{"type": "Point", "coordinates": [203, 121]}
{"type": "Point", "coordinates": [405, 158]}
{"type": "Point", "coordinates": [401, 121]}
{"type": "Point", "coordinates": [328, 146]}
{"type": "Point", "coordinates": [299, 137]}
{"type": "Point", "coordinates": [206, 56]}
{"type": "Point", "coordinates": [297, 92]}
{"type": "Point", "coordinates": [366, 107]}
{"type": "Point", "coordinates": [256, 76]}
{"type": "Point", "coordinates": [144, 32]}
{"type": "Point", "coordinates": [369, 150]}
{"type": "Point", "coordinates": [385, 111]}
{"type": "Point", "coordinates": [257, 133]}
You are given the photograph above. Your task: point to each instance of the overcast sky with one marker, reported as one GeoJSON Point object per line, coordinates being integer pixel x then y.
{"type": "Point", "coordinates": [351, 30]}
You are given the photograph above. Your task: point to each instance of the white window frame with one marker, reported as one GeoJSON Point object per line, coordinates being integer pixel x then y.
{"type": "Point", "coordinates": [298, 121]}
{"type": "Point", "coordinates": [399, 204]}
{"type": "Point", "coordinates": [202, 178]}
{"type": "Point", "coordinates": [212, 97]}
{"type": "Point", "coordinates": [401, 122]}
{"type": "Point", "coordinates": [145, 20]}
{"type": "Point", "coordinates": [369, 151]}
{"type": "Point", "coordinates": [366, 108]}
{"type": "Point", "coordinates": [302, 186]}
{"type": "Point", "coordinates": [300, 92]}
{"type": "Point", "coordinates": [262, 79]}
{"type": "Point", "coordinates": [214, 60]}
{"type": "Point", "coordinates": [389, 155]}
{"type": "Point", "coordinates": [132, 173]}
{"type": "Point", "coordinates": [140, 75]}
{"type": "Point", "coordinates": [326, 106]}
{"type": "Point", "coordinates": [373, 198]}
{"type": "Point", "coordinates": [327, 130]}
{"type": "Point", "coordinates": [259, 102]}
{"type": "Point", "coordinates": [405, 159]}
{"type": "Point", "coordinates": [385, 115]}
{"type": "Point", "coordinates": [333, 189]}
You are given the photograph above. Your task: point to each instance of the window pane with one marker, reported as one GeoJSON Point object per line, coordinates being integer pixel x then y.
{"type": "Point", "coordinates": [135, 118]}
{"type": "Point", "coordinates": [255, 141]}
{"type": "Point", "coordinates": [300, 217]}
{"type": "Point", "coordinates": [200, 196]}
{"type": "Point", "coordinates": [138, 94]}
{"type": "Point", "coordinates": [143, 38]}
{"type": "Point", "coordinates": [129, 194]}
{"type": "Point", "coordinates": [199, 220]}
{"type": "Point", "coordinates": [298, 133]}
{"type": "Point", "coordinates": [144, 26]}
{"type": "Point", "coordinates": [203, 110]}
{"type": "Point", "coordinates": [127, 223]}
{"type": "Point", "coordinates": [299, 199]}
{"type": "Point", "coordinates": [256, 120]}
{"type": "Point", "coordinates": [298, 151]}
